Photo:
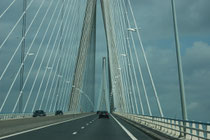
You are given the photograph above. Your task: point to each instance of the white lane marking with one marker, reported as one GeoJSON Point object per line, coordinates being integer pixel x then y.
{"type": "Point", "coordinates": [74, 133]}
{"type": "Point", "coordinates": [90, 122]}
{"type": "Point", "coordinates": [87, 124]}
{"type": "Point", "coordinates": [126, 130]}
{"type": "Point", "coordinates": [41, 127]}
{"type": "Point", "coordinates": [82, 127]}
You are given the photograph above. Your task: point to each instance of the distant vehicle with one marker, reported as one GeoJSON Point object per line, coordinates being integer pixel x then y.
{"type": "Point", "coordinates": [97, 112]}
{"type": "Point", "coordinates": [103, 114]}
{"type": "Point", "coordinates": [39, 113]}
{"type": "Point", "coordinates": [59, 112]}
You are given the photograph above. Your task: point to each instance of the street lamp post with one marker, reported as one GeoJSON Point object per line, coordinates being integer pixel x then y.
{"type": "Point", "coordinates": [180, 71]}
{"type": "Point", "coordinates": [22, 55]}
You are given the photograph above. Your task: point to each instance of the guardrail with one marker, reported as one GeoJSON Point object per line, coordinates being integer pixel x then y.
{"type": "Point", "coordinates": [10, 116]}
{"type": "Point", "coordinates": [15, 116]}
{"type": "Point", "coordinates": [179, 129]}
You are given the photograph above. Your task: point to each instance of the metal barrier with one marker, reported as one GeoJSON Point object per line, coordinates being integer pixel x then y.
{"type": "Point", "coordinates": [15, 116]}
{"type": "Point", "coordinates": [10, 116]}
{"type": "Point", "coordinates": [192, 130]}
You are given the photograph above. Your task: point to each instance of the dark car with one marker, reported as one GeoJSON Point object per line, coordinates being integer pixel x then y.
{"type": "Point", "coordinates": [59, 112]}
{"type": "Point", "coordinates": [39, 113]}
{"type": "Point", "coordinates": [97, 112]}
{"type": "Point", "coordinates": [103, 114]}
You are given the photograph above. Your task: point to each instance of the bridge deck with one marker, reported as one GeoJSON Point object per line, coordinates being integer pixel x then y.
{"type": "Point", "coordinates": [85, 128]}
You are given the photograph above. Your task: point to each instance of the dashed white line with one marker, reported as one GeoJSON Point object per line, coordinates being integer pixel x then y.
{"type": "Point", "coordinates": [90, 122]}
{"type": "Point", "coordinates": [41, 127]}
{"type": "Point", "coordinates": [74, 133]}
{"type": "Point", "coordinates": [87, 124]}
{"type": "Point", "coordinates": [126, 130]}
{"type": "Point", "coordinates": [82, 127]}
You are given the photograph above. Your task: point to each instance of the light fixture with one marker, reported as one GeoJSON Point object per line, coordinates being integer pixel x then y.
{"type": "Point", "coordinates": [30, 54]}
{"type": "Point", "coordinates": [132, 29]}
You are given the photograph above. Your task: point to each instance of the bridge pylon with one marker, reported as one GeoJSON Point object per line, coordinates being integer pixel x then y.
{"type": "Point", "coordinates": [86, 50]}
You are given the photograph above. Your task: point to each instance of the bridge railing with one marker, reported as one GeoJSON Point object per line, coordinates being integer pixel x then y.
{"type": "Point", "coordinates": [173, 127]}
{"type": "Point", "coordinates": [10, 116]}
{"type": "Point", "coordinates": [15, 116]}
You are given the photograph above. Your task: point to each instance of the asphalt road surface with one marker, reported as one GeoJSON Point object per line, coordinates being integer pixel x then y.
{"type": "Point", "coordinates": [87, 128]}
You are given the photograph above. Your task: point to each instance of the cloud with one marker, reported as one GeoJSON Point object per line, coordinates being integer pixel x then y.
{"type": "Point", "coordinates": [193, 106]}
{"type": "Point", "coordinates": [155, 18]}
{"type": "Point", "coordinates": [196, 57]}
{"type": "Point", "coordinates": [196, 68]}
{"type": "Point", "coordinates": [193, 17]}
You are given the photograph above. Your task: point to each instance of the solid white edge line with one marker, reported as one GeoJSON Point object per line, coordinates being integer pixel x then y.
{"type": "Point", "coordinates": [41, 127]}
{"type": "Point", "coordinates": [126, 130]}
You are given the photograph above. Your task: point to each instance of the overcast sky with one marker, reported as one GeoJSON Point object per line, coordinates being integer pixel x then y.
{"type": "Point", "coordinates": [154, 17]}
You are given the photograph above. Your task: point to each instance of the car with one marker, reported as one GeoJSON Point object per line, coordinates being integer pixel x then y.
{"type": "Point", "coordinates": [59, 112]}
{"type": "Point", "coordinates": [97, 112]}
{"type": "Point", "coordinates": [39, 113]}
{"type": "Point", "coordinates": [103, 114]}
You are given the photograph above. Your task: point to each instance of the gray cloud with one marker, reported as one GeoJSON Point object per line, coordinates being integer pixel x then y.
{"type": "Point", "coordinates": [155, 19]}
{"type": "Point", "coordinates": [196, 74]}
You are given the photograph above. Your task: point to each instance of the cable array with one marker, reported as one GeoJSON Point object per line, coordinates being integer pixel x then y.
{"type": "Point", "coordinates": [128, 81]}
{"type": "Point", "coordinates": [57, 48]}
{"type": "Point", "coordinates": [52, 41]}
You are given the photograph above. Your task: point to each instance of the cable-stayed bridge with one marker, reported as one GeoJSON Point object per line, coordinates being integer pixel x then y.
{"type": "Point", "coordinates": [48, 57]}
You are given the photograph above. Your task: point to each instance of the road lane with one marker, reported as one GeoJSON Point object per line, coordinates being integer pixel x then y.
{"type": "Point", "coordinates": [102, 129]}
{"type": "Point", "coordinates": [90, 128]}
{"type": "Point", "coordinates": [135, 131]}
{"type": "Point", "coordinates": [12, 126]}
{"type": "Point", "coordinates": [57, 132]}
